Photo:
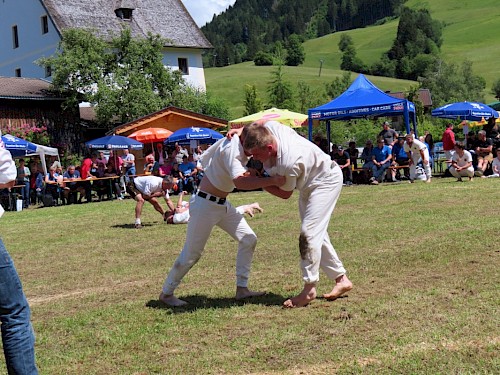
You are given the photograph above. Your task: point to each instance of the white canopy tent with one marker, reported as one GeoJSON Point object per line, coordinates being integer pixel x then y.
{"type": "Point", "coordinates": [42, 152]}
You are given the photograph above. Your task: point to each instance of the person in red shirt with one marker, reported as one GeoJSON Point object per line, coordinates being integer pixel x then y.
{"type": "Point", "coordinates": [87, 164]}
{"type": "Point", "coordinates": [448, 143]}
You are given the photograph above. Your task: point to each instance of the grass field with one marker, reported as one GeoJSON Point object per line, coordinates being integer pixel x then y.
{"type": "Point", "coordinates": [424, 260]}
{"type": "Point", "coordinates": [471, 31]}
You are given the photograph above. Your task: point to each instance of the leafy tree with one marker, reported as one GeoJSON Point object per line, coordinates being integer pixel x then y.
{"type": "Point", "coordinates": [384, 67]}
{"type": "Point", "coordinates": [495, 89]}
{"type": "Point", "coordinates": [419, 106]}
{"type": "Point", "coordinates": [280, 91]}
{"type": "Point", "coordinates": [418, 34]}
{"type": "Point", "coordinates": [338, 85]}
{"type": "Point", "coordinates": [349, 59]}
{"type": "Point", "coordinates": [307, 97]}
{"type": "Point", "coordinates": [262, 58]}
{"type": "Point", "coordinates": [453, 83]}
{"type": "Point", "coordinates": [323, 27]}
{"type": "Point", "coordinates": [295, 51]}
{"type": "Point", "coordinates": [345, 42]}
{"type": "Point", "coordinates": [80, 62]}
{"type": "Point", "coordinates": [124, 78]}
{"type": "Point", "coordinates": [261, 23]}
{"type": "Point", "coordinates": [253, 104]}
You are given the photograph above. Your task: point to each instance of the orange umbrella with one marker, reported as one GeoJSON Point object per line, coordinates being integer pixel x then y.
{"type": "Point", "coordinates": [151, 135]}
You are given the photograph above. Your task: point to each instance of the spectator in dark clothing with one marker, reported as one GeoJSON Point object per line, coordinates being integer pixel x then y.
{"type": "Point", "coordinates": [389, 135]}
{"type": "Point", "coordinates": [344, 161]}
{"type": "Point", "coordinates": [353, 154]}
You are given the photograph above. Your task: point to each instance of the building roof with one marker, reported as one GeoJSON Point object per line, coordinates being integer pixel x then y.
{"type": "Point", "coordinates": [26, 88]}
{"type": "Point", "coordinates": [168, 18]}
{"type": "Point", "coordinates": [424, 96]}
{"type": "Point", "coordinates": [87, 113]}
{"type": "Point", "coordinates": [200, 119]}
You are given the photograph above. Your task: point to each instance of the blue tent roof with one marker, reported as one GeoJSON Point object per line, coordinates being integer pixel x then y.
{"type": "Point", "coordinates": [362, 99]}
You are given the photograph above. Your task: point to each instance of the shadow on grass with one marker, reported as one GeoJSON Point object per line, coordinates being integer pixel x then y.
{"type": "Point", "coordinates": [131, 226]}
{"type": "Point", "coordinates": [197, 302]}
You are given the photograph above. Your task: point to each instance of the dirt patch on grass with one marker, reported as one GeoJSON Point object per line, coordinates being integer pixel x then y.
{"type": "Point", "coordinates": [39, 300]}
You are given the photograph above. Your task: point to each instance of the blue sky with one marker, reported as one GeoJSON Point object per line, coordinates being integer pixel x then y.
{"type": "Point", "coordinates": [202, 11]}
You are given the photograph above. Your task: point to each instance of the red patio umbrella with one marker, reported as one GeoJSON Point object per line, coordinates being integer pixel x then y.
{"type": "Point", "coordinates": [151, 135]}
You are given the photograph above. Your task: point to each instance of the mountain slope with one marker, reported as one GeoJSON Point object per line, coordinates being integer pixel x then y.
{"type": "Point", "coordinates": [471, 31]}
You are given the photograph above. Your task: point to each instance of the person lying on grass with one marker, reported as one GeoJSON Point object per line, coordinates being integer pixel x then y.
{"type": "Point", "coordinates": [180, 215]}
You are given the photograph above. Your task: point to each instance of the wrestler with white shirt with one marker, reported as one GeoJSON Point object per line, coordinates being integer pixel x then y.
{"type": "Point", "coordinates": [319, 181]}
{"type": "Point", "coordinates": [224, 165]}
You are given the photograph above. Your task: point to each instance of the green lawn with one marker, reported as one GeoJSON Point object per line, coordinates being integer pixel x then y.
{"type": "Point", "coordinates": [424, 259]}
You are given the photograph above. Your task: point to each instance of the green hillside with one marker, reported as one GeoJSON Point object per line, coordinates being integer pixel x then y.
{"type": "Point", "coordinates": [471, 31]}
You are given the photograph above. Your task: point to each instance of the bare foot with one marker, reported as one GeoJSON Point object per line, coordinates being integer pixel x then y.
{"type": "Point", "coordinates": [251, 209]}
{"type": "Point", "coordinates": [171, 300]}
{"type": "Point", "coordinates": [342, 286]}
{"type": "Point", "coordinates": [244, 292]}
{"type": "Point", "coordinates": [428, 180]}
{"type": "Point", "coordinates": [307, 295]}
{"type": "Point", "coordinates": [256, 207]}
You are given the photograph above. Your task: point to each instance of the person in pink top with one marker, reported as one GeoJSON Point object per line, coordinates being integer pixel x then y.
{"type": "Point", "coordinates": [448, 143]}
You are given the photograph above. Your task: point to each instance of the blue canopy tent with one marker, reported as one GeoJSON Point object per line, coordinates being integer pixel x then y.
{"type": "Point", "coordinates": [363, 99]}
{"type": "Point", "coordinates": [18, 147]}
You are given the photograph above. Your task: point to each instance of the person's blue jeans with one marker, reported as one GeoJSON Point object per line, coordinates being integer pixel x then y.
{"type": "Point", "coordinates": [378, 172]}
{"type": "Point", "coordinates": [25, 192]}
{"type": "Point", "coordinates": [189, 184]}
{"type": "Point", "coordinates": [129, 172]}
{"type": "Point", "coordinates": [17, 333]}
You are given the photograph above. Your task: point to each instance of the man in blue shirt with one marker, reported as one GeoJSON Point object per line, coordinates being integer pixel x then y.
{"type": "Point", "coordinates": [381, 157]}
{"type": "Point", "coordinates": [400, 158]}
{"type": "Point", "coordinates": [72, 187]}
{"type": "Point", "coordinates": [188, 170]}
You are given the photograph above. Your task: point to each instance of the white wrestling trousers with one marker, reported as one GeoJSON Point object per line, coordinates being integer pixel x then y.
{"type": "Point", "coordinates": [316, 205]}
{"type": "Point", "coordinates": [469, 172]}
{"type": "Point", "coordinates": [427, 167]}
{"type": "Point", "coordinates": [205, 215]}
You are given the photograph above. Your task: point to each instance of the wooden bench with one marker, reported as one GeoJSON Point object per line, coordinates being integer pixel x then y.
{"type": "Point", "coordinates": [361, 175]}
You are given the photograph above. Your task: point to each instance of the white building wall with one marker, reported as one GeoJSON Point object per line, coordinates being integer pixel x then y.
{"type": "Point", "coordinates": [196, 76]}
{"type": "Point", "coordinates": [26, 14]}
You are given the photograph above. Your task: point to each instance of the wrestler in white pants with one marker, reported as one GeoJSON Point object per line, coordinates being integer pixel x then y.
{"type": "Point", "coordinates": [205, 215]}
{"type": "Point", "coordinates": [316, 205]}
{"type": "Point", "coordinates": [415, 157]}
{"type": "Point", "coordinates": [469, 172]}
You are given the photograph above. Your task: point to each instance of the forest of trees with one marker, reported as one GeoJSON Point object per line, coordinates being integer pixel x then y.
{"type": "Point", "coordinates": [250, 26]}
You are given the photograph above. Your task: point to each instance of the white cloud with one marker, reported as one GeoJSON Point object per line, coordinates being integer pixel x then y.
{"type": "Point", "coordinates": [202, 11]}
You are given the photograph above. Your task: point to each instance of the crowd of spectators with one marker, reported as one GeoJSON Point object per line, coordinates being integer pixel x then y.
{"type": "Point", "coordinates": [100, 175]}
{"type": "Point", "coordinates": [397, 157]}
{"type": "Point", "coordinates": [392, 158]}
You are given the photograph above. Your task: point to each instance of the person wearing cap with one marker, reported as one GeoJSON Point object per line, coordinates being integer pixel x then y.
{"type": "Point", "coordinates": [319, 181]}
{"type": "Point", "coordinates": [417, 151]}
{"type": "Point", "coordinates": [224, 164]}
{"type": "Point", "coordinates": [344, 161]}
{"type": "Point", "coordinates": [148, 188]}
{"type": "Point", "coordinates": [389, 135]}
